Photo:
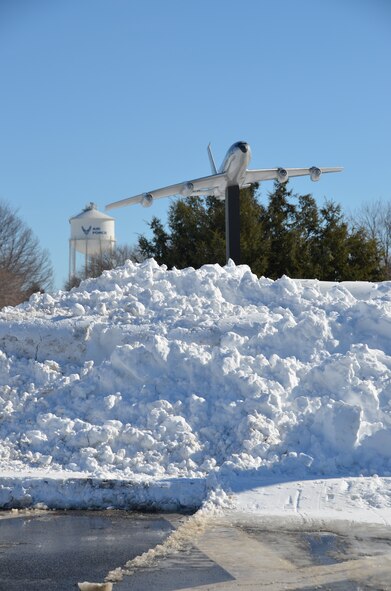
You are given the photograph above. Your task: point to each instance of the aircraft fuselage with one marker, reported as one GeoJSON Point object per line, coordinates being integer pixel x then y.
{"type": "Point", "coordinates": [235, 163]}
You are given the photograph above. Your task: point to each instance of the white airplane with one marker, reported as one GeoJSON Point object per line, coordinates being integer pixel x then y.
{"type": "Point", "coordinates": [233, 171]}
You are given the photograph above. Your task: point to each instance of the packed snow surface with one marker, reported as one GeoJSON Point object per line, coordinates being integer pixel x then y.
{"type": "Point", "coordinates": [149, 385]}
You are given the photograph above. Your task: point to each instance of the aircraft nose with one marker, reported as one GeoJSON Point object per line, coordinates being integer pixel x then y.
{"type": "Point", "coordinates": [243, 146]}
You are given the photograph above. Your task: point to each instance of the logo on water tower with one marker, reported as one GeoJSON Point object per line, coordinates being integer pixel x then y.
{"type": "Point", "coordinates": [86, 230]}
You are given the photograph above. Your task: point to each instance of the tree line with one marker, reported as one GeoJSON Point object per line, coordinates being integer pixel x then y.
{"type": "Point", "coordinates": [289, 235]}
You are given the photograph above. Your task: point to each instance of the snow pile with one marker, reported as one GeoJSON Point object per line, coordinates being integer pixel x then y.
{"type": "Point", "coordinates": [148, 375]}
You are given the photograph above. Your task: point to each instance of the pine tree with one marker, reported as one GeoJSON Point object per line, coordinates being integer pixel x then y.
{"type": "Point", "coordinates": [253, 245]}
{"type": "Point", "coordinates": [331, 249]}
{"type": "Point", "coordinates": [188, 223]}
{"type": "Point", "coordinates": [307, 226]}
{"type": "Point", "coordinates": [196, 233]}
{"type": "Point", "coordinates": [159, 245]}
{"type": "Point", "coordinates": [365, 258]}
{"type": "Point", "coordinates": [345, 254]}
{"type": "Point", "coordinates": [290, 235]}
{"type": "Point", "coordinates": [215, 215]}
{"type": "Point", "coordinates": [281, 234]}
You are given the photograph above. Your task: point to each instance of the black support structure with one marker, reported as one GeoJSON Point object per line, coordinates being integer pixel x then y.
{"type": "Point", "coordinates": [232, 223]}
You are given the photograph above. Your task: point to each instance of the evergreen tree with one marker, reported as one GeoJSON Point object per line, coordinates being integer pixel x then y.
{"type": "Point", "coordinates": [365, 259]}
{"type": "Point", "coordinates": [281, 234]}
{"type": "Point", "coordinates": [306, 226]}
{"type": "Point", "coordinates": [215, 215]}
{"type": "Point", "coordinates": [345, 254]}
{"type": "Point", "coordinates": [253, 245]}
{"type": "Point", "coordinates": [331, 248]}
{"type": "Point", "coordinates": [159, 246]}
{"type": "Point", "coordinates": [197, 233]}
{"type": "Point", "coordinates": [290, 235]}
{"type": "Point", "coordinates": [189, 232]}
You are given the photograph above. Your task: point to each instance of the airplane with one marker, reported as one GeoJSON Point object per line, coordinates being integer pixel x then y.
{"type": "Point", "coordinates": [233, 171]}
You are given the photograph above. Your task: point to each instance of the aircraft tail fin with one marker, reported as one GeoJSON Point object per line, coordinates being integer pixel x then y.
{"type": "Point", "coordinates": [211, 160]}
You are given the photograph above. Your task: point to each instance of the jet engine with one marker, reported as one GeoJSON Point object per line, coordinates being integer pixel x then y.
{"type": "Point", "coordinates": [146, 200]}
{"type": "Point", "coordinates": [187, 189]}
{"type": "Point", "coordinates": [282, 175]}
{"type": "Point", "coordinates": [315, 173]}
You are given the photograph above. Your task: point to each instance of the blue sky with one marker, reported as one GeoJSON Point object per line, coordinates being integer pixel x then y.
{"type": "Point", "coordinates": [103, 99]}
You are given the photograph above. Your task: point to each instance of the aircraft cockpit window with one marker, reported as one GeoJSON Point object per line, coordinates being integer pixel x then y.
{"type": "Point", "coordinates": [243, 146]}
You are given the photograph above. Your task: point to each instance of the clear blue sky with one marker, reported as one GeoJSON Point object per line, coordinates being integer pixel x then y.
{"type": "Point", "coordinates": [103, 99]}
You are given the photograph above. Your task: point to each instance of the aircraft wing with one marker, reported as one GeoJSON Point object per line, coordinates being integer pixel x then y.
{"type": "Point", "coordinates": [255, 176]}
{"type": "Point", "coordinates": [207, 185]}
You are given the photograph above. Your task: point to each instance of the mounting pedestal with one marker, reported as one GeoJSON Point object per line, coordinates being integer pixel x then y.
{"type": "Point", "coordinates": [232, 223]}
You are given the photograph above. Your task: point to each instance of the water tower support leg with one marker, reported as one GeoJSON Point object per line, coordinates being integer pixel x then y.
{"type": "Point", "coordinates": [72, 259]}
{"type": "Point", "coordinates": [86, 260]}
{"type": "Point", "coordinates": [232, 223]}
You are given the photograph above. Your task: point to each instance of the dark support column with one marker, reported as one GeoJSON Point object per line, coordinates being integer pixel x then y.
{"type": "Point", "coordinates": [232, 223]}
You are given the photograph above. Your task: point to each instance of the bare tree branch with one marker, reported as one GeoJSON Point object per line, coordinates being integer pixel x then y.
{"type": "Point", "coordinates": [106, 260]}
{"type": "Point", "coordinates": [24, 266]}
{"type": "Point", "coordinates": [375, 217]}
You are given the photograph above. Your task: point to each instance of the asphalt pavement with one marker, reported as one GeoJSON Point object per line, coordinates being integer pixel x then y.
{"type": "Point", "coordinates": [51, 550]}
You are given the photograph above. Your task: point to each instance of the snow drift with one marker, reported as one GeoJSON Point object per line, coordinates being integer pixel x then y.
{"type": "Point", "coordinates": [148, 375]}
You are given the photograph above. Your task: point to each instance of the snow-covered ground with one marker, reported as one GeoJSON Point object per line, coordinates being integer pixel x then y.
{"type": "Point", "coordinates": [148, 387]}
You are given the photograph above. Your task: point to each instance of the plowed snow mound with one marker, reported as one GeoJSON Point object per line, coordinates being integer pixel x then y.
{"type": "Point", "coordinates": [148, 373]}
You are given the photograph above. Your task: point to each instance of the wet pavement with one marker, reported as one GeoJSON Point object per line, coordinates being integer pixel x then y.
{"type": "Point", "coordinates": [56, 550]}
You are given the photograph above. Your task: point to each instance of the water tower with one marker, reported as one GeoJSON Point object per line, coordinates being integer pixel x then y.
{"type": "Point", "coordinates": [92, 233]}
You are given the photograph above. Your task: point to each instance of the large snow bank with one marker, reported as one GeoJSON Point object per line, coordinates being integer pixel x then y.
{"type": "Point", "coordinates": [149, 376]}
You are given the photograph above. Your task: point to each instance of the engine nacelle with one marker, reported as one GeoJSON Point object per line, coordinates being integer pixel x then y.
{"type": "Point", "coordinates": [187, 189]}
{"type": "Point", "coordinates": [146, 200]}
{"type": "Point", "coordinates": [282, 175]}
{"type": "Point", "coordinates": [315, 173]}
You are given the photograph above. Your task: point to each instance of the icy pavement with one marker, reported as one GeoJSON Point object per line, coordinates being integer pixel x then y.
{"type": "Point", "coordinates": [300, 502]}
{"type": "Point", "coordinates": [58, 550]}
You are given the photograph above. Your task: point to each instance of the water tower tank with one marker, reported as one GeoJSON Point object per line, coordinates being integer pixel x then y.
{"type": "Point", "coordinates": [92, 231]}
